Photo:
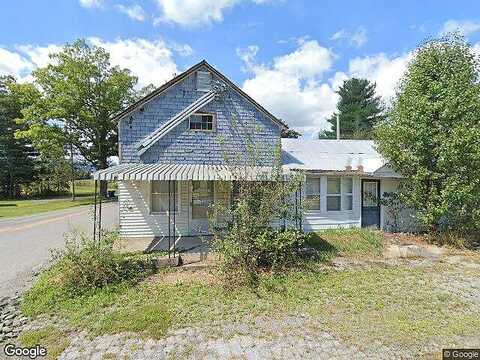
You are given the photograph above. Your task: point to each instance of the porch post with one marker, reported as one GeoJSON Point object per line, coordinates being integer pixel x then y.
{"type": "Point", "coordinates": [99, 216]}
{"type": "Point", "coordinates": [174, 218]}
{"type": "Point", "coordinates": [169, 216]}
{"type": "Point", "coordinates": [296, 209]}
{"type": "Point", "coordinates": [95, 211]}
{"type": "Point", "coordinates": [300, 203]}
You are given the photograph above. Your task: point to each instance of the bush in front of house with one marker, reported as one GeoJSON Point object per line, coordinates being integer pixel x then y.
{"type": "Point", "coordinates": [85, 264]}
{"type": "Point", "coordinates": [246, 242]}
{"type": "Point", "coordinates": [244, 258]}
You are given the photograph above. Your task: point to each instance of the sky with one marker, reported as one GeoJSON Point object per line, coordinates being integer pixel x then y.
{"type": "Point", "coordinates": [290, 55]}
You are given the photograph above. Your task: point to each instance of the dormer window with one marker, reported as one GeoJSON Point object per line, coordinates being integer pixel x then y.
{"type": "Point", "coordinates": [201, 122]}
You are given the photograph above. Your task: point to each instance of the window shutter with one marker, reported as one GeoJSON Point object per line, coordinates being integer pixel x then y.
{"type": "Point", "coordinates": [204, 81]}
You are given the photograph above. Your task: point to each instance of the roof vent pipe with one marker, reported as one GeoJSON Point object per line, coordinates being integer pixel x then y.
{"type": "Point", "coordinates": [338, 127]}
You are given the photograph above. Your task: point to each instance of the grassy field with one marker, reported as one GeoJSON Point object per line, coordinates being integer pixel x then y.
{"type": "Point", "coordinates": [84, 190]}
{"type": "Point", "coordinates": [393, 305]}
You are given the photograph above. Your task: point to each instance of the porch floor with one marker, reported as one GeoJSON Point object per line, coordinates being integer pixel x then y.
{"type": "Point", "coordinates": [186, 244]}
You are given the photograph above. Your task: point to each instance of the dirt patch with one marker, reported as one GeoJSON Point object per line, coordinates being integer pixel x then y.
{"type": "Point", "coordinates": [185, 276]}
{"type": "Point", "coordinates": [405, 239]}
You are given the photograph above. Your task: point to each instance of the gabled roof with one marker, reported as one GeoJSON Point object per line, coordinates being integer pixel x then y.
{"type": "Point", "coordinates": [168, 126]}
{"type": "Point", "coordinates": [333, 155]}
{"type": "Point", "coordinates": [143, 101]}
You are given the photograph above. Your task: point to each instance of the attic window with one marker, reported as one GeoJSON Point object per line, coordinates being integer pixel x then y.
{"type": "Point", "coordinates": [201, 122]}
{"type": "Point", "coordinates": [204, 80]}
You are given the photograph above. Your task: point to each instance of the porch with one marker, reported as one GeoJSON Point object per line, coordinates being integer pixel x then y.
{"type": "Point", "coordinates": [168, 206]}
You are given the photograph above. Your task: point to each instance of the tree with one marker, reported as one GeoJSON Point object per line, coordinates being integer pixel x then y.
{"type": "Point", "coordinates": [359, 110]}
{"type": "Point", "coordinates": [80, 92]}
{"type": "Point", "coordinates": [17, 165]}
{"type": "Point", "coordinates": [290, 133]}
{"type": "Point", "coordinates": [432, 135]}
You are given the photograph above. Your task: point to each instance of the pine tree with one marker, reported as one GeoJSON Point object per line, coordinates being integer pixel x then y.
{"type": "Point", "coordinates": [359, 110]}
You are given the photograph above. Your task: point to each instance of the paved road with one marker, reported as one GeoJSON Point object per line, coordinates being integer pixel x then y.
{"type": "Point", "coordinates": [25, 242]}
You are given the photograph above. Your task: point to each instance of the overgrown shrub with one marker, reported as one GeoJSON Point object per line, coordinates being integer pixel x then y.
{"type": "Point", "coordinates": [455, 239]}
{"type": "Point", "coordinates": [244, 237]}
{"type": "Point", "coordinates": [85, 264]}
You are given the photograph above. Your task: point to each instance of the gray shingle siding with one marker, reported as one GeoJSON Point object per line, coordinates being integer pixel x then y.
{"type": "Point", "coordinates": [240, 126]}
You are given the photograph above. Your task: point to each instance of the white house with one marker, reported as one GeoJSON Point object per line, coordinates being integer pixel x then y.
{"type": "Point", "coordinates": [174, 146]}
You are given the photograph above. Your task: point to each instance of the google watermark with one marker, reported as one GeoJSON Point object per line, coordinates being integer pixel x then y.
{"type": "Point", "coordinates": [463, 354]}
{"type": "Point", "coordinates": [32, 352]}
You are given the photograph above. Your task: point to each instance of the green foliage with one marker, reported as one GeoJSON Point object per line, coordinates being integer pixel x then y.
{"type": "Point", "coordinates": [17, 165]}
{"type": "Point", "coordinates": [80, 93]}
{"type": "Point", "coordinates": [86, 264]}
{"type": "Point", "coordinates": [242, 230]}
{"type": "Point", "coordinates": [431, 135]}
{"type": "Point", "coordinates": [359, 110]}
{"type": "Point", "coordinates": [290, 133]}
{"type": "Point", "coordinates": [354, 243]}
{"type": "Point", "coordinates": [394, 304]}
{"type": "Point", "coordinates": [50, 337]}
{"type": "Point", "coordinates": [266, 249]}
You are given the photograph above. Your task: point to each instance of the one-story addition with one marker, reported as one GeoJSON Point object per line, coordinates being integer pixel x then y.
{"type": "Point", "coordinates": [178, 144]}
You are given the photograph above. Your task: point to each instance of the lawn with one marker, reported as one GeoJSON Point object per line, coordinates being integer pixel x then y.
{"type": "Point", "coordinates": [83, 188]}
{"type": "Point", "coordinates": [14, 208]}
{"type": "Point", "coordinates": [394, 305]}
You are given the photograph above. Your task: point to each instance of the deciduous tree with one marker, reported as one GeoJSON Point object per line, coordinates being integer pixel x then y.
{"type": "Point", "coordinates": [81, 91]}
{"type": "Point", "coordinates": [432, 135]}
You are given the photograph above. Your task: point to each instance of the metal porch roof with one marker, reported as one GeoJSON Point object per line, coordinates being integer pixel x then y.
{"type": "Point", "coordinates": [331, 155]}
{"type": "Point", "coordinates": [160, 171]}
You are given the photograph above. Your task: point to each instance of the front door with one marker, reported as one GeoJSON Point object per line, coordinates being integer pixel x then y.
{"type": "Point", "coordinates": [371, 203]}
{"type": "Point", "coordinates": [202, 199]}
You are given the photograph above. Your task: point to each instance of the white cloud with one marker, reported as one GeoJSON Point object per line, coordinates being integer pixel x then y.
{"type": "Point", "coordinates": [13, 63]}
{"type": "Point", "coordinates": [39, 55]}
{"type": "Point", "coordinates": [90, 4]}
{"type": "Point", "coordinates": [465, 27]}
{"type": "Point", "coordinates": [151, 61]}
{"type": "Point", "coordinates": [182, 49]}
{"type": "Point", "coordinates": [194, 12]}
{"type": "Point", "coordinates": [191, 13]}
{"type": "Point", "coordinates": [357, 38]}
{"type": "Point", "coordinates": [134, 12]}
{"type": "Point", "coordinates": [248, 54]}
{"type": "Point", "coordinates": [340, 34]}
{"type": "Point", "coordinates": [291, 88]}
{"type": "Point", "coordinates": [294, 87]}
{"type": "Point", "coordinates": [383, 70]}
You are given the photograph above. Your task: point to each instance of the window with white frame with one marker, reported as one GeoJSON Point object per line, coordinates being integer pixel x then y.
{"type": "Point", "coordinates": [201, 122]}
{"type": "Point", "coordinates": [312, 193]}
{"type": "Point", "coordinates": [334, 195]}
{"type": "Point", "coordinates": [160, 199]}
{"type": "Point", "coordinates": [347, 193]}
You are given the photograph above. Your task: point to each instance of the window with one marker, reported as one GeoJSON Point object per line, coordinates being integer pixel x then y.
{"type": "Point", "coordinates": [334, 195]}
{"type": "Point", "coordinates": [204, 81]}
{"type": "Point", "coordinates": [370, 193]}
{"type": "Point", "coordinates": [312, 193]}
{"type": "Point", "coordinates": [203, 122]}
{"type": "Point", "coordinates": [159, 201]}
{"type": "Point", "coordinates": [347, 193]}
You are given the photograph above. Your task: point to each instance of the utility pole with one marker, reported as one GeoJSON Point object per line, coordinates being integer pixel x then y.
{"type": "Point", "coordinates": [73, 171]}
{"type": "Point", "coordinates": [338, 127]}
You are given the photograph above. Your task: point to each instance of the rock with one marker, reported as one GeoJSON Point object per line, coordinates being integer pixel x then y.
{"type": "Point", "coordinates": [9, 316]}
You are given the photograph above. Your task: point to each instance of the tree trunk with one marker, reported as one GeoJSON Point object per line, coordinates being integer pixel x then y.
{"type": "Point", "coordinates": [103, 188]}
{"type": "Point", "coordinates": [73, 172]}
{"type": "Point", "coordinates": [103, 184]}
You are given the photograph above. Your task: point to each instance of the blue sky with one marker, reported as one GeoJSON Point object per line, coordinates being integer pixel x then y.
{"type": "Point", "coordinates": [290, 55]}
